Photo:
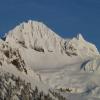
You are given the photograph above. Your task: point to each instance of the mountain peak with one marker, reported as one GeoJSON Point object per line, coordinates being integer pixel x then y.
{"type": "Point", "coordinates": [37, 36]}
{"type": "Point", "coordinates": [33, 56]}
{"type": "Point", "coordinates": [34, 34]}
{"type": "Point", "coordinates": [34, 22]}
{"type": "Point", "coordinates": [31, 27]}
{"type": "Point", "coordinates": [80, 37]}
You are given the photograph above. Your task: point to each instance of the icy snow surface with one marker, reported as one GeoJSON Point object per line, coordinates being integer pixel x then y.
{"type": "Point", "coordinates": [49, 61]}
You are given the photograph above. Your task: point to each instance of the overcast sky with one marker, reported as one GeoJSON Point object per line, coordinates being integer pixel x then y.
{"type": "Point", "coordinates": [65, 17]}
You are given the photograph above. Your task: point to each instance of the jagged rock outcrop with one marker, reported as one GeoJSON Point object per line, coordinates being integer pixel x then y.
{"type": "Point", "coordinates": [39, 37]}
{"type": "Point", "coordinates": [35, 35]}
{"type": "Point", "coordinates": [79, 46]}
{"type": "Point", "coordinates": [92, 65]}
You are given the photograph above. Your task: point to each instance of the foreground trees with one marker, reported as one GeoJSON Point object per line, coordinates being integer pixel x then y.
{"type": "Point", "coordinates": [13, 88]}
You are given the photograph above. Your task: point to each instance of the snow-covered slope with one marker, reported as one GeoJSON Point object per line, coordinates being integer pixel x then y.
{"type": "Point", "coordinates": [36, 54]}
{"type": "Point", "coordinates": [12, 62]}
{"type": "Point", "coordinates": [82, 47]}
{"type": "Point", "coordinates": [92, 65]}
{"type": "Point", "coordinates": [37, 36]}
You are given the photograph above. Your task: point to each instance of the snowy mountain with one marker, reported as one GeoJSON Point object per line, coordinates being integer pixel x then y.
{"type": "Point", "coordinates": [37, 36]}
{"type": "Point", "coordinates": [35, 54]}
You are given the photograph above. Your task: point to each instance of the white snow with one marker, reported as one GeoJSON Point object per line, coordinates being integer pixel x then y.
{"type": "Point", "coordinates": [53, 62]}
